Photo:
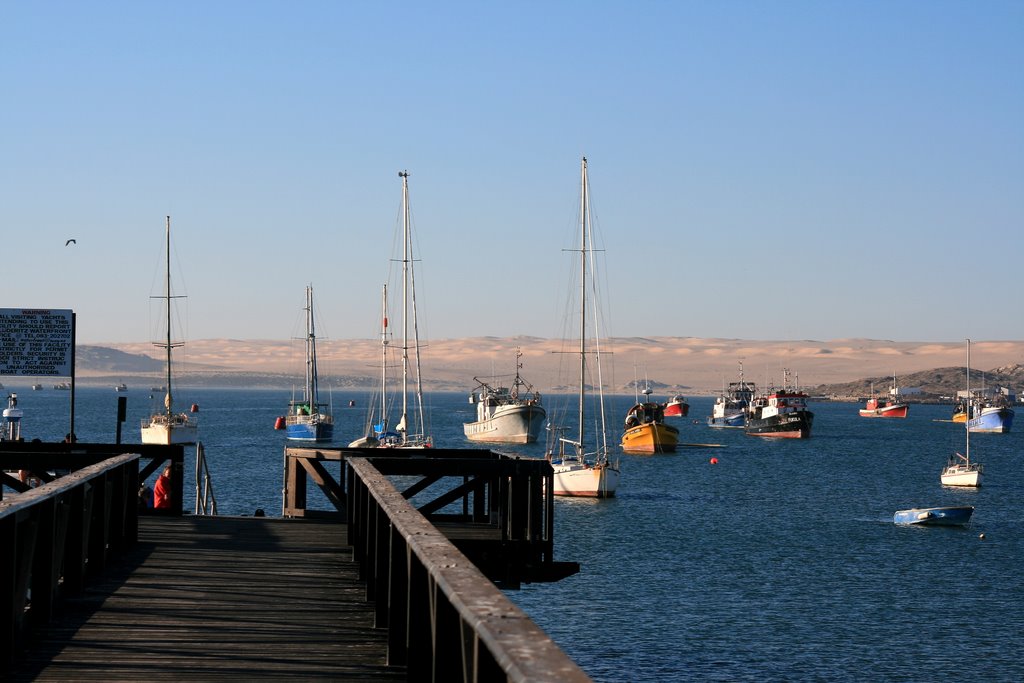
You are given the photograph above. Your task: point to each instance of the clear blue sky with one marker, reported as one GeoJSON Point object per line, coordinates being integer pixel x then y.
{"type": "Point", "coordinates": [863, 161]}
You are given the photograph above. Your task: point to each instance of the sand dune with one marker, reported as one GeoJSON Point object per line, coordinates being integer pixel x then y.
{"type": "Point", "coordinates": [685, 363]}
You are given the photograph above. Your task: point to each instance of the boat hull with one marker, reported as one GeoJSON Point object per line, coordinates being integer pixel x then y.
{"type": "Point", "coordinates": [572, 478]}
{"type": "Point", "coordinates": [309, 430]}
{"type": "Point", "coordinates": [650, 438]}
{"type": "Point", "coordinates": [898, 410]}
{"type": "Point", "coordinates": [961, 475]}
{"type": "Point", "coordinates": [677, 408]}
{"type": "Point", "coordinates": [992, 421]}
{"type": "Point", "coordinates": [179, 430]}
{"type": "Point", "coordinates": [515, 424]}
{"type": "Point", "coordinates": [734, 421]}
{"type": "Point", "coordinates": [956, 515]}
{"type": "Point", "coordinates": [785, 426]}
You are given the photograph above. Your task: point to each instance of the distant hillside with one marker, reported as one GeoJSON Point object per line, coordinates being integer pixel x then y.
{"type": "Point", "coordinates": [102, 359]}
{"type": "Point", "coordinates": [687, 365]}
{"type": "Point", "coordinates": [932, 383]}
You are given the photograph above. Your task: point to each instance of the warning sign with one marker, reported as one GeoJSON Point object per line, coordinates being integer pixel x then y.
{"type": "Point", "coordinates": [36, 342]}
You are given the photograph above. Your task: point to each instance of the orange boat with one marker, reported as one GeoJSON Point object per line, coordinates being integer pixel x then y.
{"type": "Point", "coordinates": [646, 431]}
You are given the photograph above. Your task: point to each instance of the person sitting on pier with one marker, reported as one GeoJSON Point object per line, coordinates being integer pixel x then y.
{"type": "Point", "coordinates": [162, 490]}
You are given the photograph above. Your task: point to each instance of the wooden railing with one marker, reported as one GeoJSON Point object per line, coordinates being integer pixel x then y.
{"type": "Point", "coordinates": [445, 620]}
{"type": "Point", "coordinates": [55, 537]}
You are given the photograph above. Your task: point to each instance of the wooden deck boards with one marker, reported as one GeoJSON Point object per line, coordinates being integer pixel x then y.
{"type": "Point", "coordinates": [218, 598]}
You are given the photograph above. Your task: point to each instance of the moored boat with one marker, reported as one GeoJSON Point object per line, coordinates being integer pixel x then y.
{"type": "Point", "coordinates": [380, 434]}
{"type": "Point", "coordinates": [959, 470]}
{"type": "Point", "coordinates": [677, 406]}
{"type": "Point", "coordinates": [577, 472]}
{"type": "Point", "coordinates": [985, 411]}
{"type": "Point", "coordinates": [780, 414]}
{"type": "Point", "coordinates": [646, 431]}
{"type": "Point", "coordinates": [511, 415]}
{"type": "Point", "coordinates": [167, 426]}
{"type": "Point", "coordinates": [953, 515]}
{"type": "Point", "coordinates": [886, 406]}
{"type": "Point", "coordinates": [730, 408]}
{"type": "Point", "coordinates": [308, 419]}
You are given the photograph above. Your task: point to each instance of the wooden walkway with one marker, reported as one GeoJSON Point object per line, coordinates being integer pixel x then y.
{"type": "Point", "coordinates": [218, 598]}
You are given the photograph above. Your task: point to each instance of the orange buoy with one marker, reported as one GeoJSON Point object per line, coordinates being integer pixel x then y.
{"type": "Point", "coordinates": [714, 461]}
{"type": "Point", "coordinates": [279, 423]}
{"type": "Point", "coordinates": [195, 407]}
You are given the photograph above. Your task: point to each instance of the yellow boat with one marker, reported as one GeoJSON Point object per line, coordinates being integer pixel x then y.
{"type": "Point", "coordinates": [646, 431]}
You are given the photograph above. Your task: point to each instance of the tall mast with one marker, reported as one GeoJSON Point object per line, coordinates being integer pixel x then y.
{"type": "Point", "coordinates": [967, 423]}
{"type": "Point", "coordinates": [583, 294]}
{"type": "Point", "coordinates": [311, 381]}
{"type": "Point", "coordinates": [384, 360]}
{"type": "Point", "coordinates": [167, 291]}
{"type": "Point", "coordinates": [404, 175]}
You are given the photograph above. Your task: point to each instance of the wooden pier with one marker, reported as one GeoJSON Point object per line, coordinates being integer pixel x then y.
{"type": "Point", "coordinates": [90, 589]}
{"type": "Point", "coordinates": [206, 598]}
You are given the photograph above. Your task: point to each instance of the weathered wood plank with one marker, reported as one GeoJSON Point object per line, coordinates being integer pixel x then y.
{"type": "Point", "coordinates": [215, 598]}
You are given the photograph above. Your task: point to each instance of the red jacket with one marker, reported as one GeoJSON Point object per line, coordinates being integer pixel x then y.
{"type": "Point", "coordinates": [162, 492]}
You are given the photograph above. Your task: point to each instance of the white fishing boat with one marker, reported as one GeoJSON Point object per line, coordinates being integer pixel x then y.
{"type": "Point", "coordinates": [410, 431]}
{"type": "Point", "coordinates": [308, 419]}
{"type": "Point", "coordinates": [512, 415]}
{"type": "Point", "coordinates": [959, 470]}
{"type": "Point", "coordinates": [167, 426]}
{"type": "Point", "coordinates": [576, 471]}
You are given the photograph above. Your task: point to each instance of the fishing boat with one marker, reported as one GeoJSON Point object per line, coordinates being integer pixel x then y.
{"type": "Point", "coordinates": [985, 410]}
{"type": "Point", "coordinates": [37, 387]}
{"type": "Point", "coordinates": [167, 426]}
{"type": "Point", "coordinates": [677, 406]}
{"type": "Point", "coordinates": [780, 414]}
{"type": "Point", "coordinates": [512, 415]}
{"type": "Point", "coordinates": [885, 406]}
{"type": "Point", "coordinates": [577, 472]}
{"type": "Point", "coordinates": [308, 419]}
{"type": "Point", "coordinates": [959, 470]}
{"type": "Point", "coordinates": [410, 431]}
{"type": "Point", "coordinates": [730, 408]}
{"type": "Point", "coordinates": [953, 515]}
{"type": "Point", "coordinates": [646, 431]}
{"type": "Point", "coordinates": [121, 387]}
{"type": "Point", "coordinates": [62, 386]}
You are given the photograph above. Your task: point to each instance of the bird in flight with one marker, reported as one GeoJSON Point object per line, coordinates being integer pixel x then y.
{"type": "Point", "coordinates": [70, 241]}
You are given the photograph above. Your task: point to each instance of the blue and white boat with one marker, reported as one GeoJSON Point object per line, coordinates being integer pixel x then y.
{"type": "Point", "coordinates": [730, 409]}
{"type": "Point", "coordinates": [307, 418]}
{"type": "Point", "coordinates": [992, 415]}
{"type": "Point", "coordinates": [952, 515]}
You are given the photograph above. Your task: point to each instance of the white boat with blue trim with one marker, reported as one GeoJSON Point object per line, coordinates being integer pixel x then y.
{"type": "Point", "coordinates": [952, 515]}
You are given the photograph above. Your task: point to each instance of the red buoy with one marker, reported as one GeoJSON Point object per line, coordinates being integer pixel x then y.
{"type": "Point", "coordinates": [195, 407]}
{"type": "Point", "coordinates": [279, 423]}
{"type": "Point", "coordinates": [714, 461]}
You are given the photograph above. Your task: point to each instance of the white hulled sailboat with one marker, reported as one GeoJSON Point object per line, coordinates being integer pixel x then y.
{"type": "Point", "coordinates": [576, 472]}
{"type": "Point", "coordinates": [168, 427]}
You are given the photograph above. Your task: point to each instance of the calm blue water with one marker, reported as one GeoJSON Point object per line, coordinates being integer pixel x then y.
{"type": "Point", "coordinates": [781, 562]}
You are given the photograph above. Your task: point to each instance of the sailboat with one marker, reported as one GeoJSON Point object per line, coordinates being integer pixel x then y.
{"type": "Point", "coordinates": [168, 427]}
{"type": "Point", "coordinates": [402, 435]}
{"type": "Point", "coordinates": [306, 419]}
{"type": "Point", "coordinates": [574, 473]}
{"type": "Point", "coordinates": [959, 470]}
